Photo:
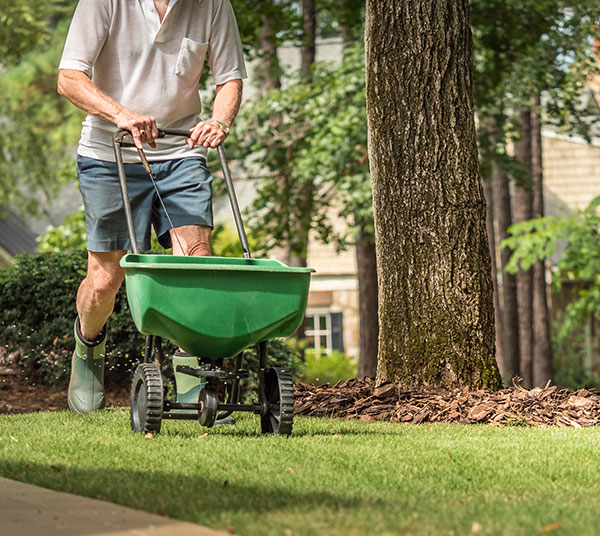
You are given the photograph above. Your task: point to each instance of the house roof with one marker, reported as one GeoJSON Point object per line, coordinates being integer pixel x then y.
{"type": "Point", "coordinates": [15, 236]}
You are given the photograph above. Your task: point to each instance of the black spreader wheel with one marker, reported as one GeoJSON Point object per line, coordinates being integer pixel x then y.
{"type": "Point", "coordinates": [208, 412]}
{"type": "Point", "coordinates": [146, 399]}
{"type": "Point", "coordinates": [279, 394]}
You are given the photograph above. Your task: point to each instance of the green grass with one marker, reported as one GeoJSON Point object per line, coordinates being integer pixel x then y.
{"type": "Point", "coordinates": [330, 478]}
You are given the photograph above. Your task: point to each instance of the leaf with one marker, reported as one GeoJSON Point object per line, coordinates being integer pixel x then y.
{"type": "Point", "coordinates": [551, 526]}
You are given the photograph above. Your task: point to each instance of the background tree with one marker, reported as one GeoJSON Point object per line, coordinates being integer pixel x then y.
{"type": "Point", "coordinates": [435, 290]}
{"type": "Point", "coordinates": [524, 48]}
{"type": "Point", "coordinates": [37, 125]}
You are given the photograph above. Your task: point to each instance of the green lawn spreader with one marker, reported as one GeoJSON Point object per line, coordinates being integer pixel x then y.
{"type": "Point", "coordinates": [213, 308]}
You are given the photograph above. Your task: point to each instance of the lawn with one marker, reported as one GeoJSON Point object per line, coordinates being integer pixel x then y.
{"type": "Point", "coordinates": [331, 477]}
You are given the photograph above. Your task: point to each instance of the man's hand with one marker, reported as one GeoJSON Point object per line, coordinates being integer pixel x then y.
{"type": "Point", "coordinates": [209, 134]}
{"type": "Point", "coordinates": [142, 127]}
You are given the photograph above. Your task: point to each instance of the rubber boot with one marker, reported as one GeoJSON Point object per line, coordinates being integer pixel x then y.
{"type": "Point", "coordinates": [86, 387]}
{"type": "Point", "coordinates": [188, 387]}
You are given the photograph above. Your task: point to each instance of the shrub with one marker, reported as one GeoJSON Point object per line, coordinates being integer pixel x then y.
{"type": "Point", "coordinates": [328, 368]}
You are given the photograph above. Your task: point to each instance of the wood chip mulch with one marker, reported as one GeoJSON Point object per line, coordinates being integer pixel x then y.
{"type": "Point", "coordinates": [364, 400]}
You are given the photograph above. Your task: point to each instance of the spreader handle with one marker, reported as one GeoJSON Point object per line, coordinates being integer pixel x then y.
{"type": "Point", "coordinates": [235, 207]}
{"type": "Point", "coordinates": [123, 138]}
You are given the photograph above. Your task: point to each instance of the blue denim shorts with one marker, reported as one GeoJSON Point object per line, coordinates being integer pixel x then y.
{"type": "Point", "coordinates": [185, 185]}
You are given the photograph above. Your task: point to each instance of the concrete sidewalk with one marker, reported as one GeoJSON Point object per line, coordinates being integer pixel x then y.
{"type": "Point", "coordinates": [27, 510]}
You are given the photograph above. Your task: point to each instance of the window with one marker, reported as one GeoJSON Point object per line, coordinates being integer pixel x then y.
{"type": "Point", "coordinates": [324, 331]}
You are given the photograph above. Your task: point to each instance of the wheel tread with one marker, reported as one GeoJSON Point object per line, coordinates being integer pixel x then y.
{"type": "Point", "coordinates": [149, 375]}
{"type": "Point", "coordinates": [285, 389]}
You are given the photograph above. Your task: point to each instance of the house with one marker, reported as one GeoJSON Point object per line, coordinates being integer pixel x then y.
{"type": "Point", "coordinates": [15, 238]}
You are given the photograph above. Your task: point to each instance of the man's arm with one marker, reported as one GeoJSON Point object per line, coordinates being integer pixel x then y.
{"type": "Point", "coordinates": [81, 91]}
{"type": "Point", "coordinates": [225, 108]}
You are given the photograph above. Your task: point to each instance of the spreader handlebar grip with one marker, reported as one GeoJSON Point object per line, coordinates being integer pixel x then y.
{"type": "Point", "coordinates": [162, 132]}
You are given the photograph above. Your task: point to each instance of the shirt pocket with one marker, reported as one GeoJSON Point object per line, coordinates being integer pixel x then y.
{"type": "Point", "coordinates": [190, 59]}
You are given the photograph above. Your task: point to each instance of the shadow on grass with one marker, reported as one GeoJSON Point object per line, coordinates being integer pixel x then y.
{"type": "Point", "coordinates": [194, 497]}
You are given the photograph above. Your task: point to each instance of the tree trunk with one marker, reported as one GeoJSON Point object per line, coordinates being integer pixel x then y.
{"type": "Point", "coordinates": [524, 211]}
{"type": "Point", "coordinates": [270, 70]}
{"type": "Point", "coordinates": [543, 369]}
{"type": "Point", "coordinates": [345, 28]}
{"type": "Point", "coordinates": [436, 313]}
{"type": "Point", "coordinates": [367, 300]}
{"type": "Point", "coordinates": [309, 34]}
{"type": "Point", "coordinates": [508, 303]}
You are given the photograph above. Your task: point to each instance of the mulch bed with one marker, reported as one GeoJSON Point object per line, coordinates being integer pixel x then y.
{"type": "Point", "coordinates": [17, 395]}
{"type": "Point", "coordinates": [364, 400]}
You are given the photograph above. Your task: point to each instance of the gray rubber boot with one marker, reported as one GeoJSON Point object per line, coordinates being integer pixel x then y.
{"type": "Point", "coordinates": [86, 387]}
{"type": "Point", "coordinates": [189, 387]}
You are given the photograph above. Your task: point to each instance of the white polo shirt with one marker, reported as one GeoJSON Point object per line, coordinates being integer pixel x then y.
{"type": "Point", "coordinates": [149, 67]}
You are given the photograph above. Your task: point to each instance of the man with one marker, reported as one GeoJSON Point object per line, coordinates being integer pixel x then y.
{"type": "Point", "coordinates": [146, 57]}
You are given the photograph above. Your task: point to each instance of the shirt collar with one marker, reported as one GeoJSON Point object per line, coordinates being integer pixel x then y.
{"type": "Point", "coordinates": [155, 27]}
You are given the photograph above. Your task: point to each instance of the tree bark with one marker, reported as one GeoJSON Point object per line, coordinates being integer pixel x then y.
{"type": "Point", "coordinates": [523, 200]}
{"type": "Point", "coordinates": [543, 369]}
{"type": "Point", "coordinates": [367, 300]}
{"type": "Point", "coordinates": [436, 314]}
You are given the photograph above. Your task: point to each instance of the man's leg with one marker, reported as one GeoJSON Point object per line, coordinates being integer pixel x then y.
{"type": "Point", "coordinates": [95, 302]}
{"type": "Point", "coordinates": [195, 242]}
{"type": "Point", "coordinates": [96, 294]}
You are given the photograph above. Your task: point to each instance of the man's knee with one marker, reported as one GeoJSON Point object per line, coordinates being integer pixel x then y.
{"type": "Point", "coordinates": [105, 275]}
{"type": "Point", "coordinates": [194, 240]}
{"type": "Point", "coordinates": [199, 249]}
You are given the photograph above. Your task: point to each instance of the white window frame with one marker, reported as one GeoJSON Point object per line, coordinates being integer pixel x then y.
{"type": "Point", "coordinates": [317, 333]}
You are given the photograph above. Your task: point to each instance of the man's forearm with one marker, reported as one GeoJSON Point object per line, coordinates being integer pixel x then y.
{"type": "Point", "coordinates": [225, 108]}
{"type": "Point", "coordinates": [227, 101]}
{"type": "Point", "coordinates": [83, 93]}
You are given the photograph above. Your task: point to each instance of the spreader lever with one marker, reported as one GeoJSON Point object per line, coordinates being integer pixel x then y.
{"type": "Point", "coordinates": [124, 138]}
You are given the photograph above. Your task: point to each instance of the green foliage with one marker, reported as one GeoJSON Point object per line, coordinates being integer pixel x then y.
{"type": "Point", "coordinates": [225, 242]}
{"type": "Point", "coordinates": [579, 234]}
{"type": "Point", "coordinates": [69, 236]}
{"type": "Point", "coordinates": [24, 26]}
{"type": "Point", "coordinates": [38, 127]}
{"type": "Point", "coordinates": [311, 138]}
{"type": "Point", "coordinates": [328, 368]}
{"type": "Point", "coordinates": [523, 48]}
{"type": "Point", "coordinates": [570, 353]}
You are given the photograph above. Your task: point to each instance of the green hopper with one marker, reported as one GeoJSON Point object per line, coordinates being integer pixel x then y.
{"type": "Point", "coordinates": [215, 307]}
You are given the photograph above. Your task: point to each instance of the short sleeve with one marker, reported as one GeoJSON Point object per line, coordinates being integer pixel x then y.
{"type": "Point", "coordinates": [87, 35]}
{"type": "Point", "coordinates": [225, 54]}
